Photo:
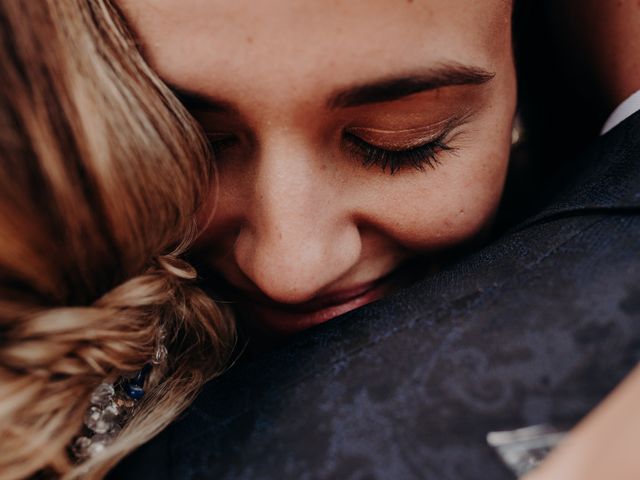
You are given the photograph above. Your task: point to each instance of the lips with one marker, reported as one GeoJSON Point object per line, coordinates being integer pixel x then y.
{"type": "Point", "coordinates": [286, 319]}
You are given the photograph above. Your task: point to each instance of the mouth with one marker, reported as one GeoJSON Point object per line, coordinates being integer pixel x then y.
{"type": "Point", "coordinates": [286, 319]}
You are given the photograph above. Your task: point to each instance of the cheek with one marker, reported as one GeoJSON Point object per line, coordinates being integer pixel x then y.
{"type": "Point", "coordinates": [453, 206]}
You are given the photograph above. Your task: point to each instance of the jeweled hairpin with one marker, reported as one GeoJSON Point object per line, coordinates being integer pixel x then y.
{"type": "Point", "coordinates": [111, 406]}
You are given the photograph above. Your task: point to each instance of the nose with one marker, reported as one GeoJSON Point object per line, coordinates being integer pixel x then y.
{"type": "Point", "coordinates": [296, 239]}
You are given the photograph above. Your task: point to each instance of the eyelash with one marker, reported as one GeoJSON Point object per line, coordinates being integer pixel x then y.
{"type": "Point", "coordinates": [418, 157]}
{"type": "Point", "coordinates": [218, 143]}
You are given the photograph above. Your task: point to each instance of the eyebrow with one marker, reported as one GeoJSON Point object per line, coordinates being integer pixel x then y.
{"type": "Point", "coordinates": [196, 101]}
{"type": "Point", "coordinates": [384, 90]}
{"type": "Point", "coordinates": [395, 88]}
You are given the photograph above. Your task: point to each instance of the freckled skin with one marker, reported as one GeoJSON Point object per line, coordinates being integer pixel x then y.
{"type": "Point", "coordinates": [297, 216]}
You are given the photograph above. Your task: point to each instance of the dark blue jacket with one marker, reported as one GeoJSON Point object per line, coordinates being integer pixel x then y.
{"type": "Point", "coordinates": [537, 327]}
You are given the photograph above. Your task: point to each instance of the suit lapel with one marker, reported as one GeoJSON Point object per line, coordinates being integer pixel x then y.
{"type": "Point", "coordinates": [610, 180]}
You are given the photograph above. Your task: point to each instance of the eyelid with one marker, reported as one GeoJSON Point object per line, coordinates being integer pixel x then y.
{"type": "Point", "coordinates": [426, 128]}
{"type": "Point", "coordinates": [407, 138]}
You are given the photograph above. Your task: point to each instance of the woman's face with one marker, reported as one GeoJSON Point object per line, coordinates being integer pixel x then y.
{"type": "Point", "coordinates": [351, 136]}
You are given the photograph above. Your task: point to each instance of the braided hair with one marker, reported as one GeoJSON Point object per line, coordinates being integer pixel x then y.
{"type": "Point", "coordinates": [101, 175]}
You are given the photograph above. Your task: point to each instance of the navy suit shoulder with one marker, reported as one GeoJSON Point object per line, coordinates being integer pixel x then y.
{"type": "Point", "coordinates": [537, 327]}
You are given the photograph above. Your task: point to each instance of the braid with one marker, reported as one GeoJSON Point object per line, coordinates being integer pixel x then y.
{"type": "Point", "coordinates": [52, 359]}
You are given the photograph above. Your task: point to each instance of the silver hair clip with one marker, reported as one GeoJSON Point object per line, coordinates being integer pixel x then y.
{"type": "Point", "coordinates": [111, 406]}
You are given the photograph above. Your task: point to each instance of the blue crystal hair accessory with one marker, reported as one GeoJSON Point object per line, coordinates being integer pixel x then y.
{"type": "Point", "coordinates": [111, 405]}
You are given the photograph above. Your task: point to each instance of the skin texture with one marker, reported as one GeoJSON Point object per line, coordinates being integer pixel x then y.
{"type": "Point", "coordinates": [302, 228]}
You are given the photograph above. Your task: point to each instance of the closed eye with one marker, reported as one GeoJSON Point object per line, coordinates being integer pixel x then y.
{"type": "Point", "coordinates": [417, 157]}
{"type": "Point", "coordinates": [220, 142]}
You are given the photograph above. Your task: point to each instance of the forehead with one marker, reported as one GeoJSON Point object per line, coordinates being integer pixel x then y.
{"type": "Point", "coordinates": [227, 44]}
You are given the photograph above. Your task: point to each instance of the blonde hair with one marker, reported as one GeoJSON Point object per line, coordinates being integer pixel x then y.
{"type": "Point", "coordinates": [101, 175]}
